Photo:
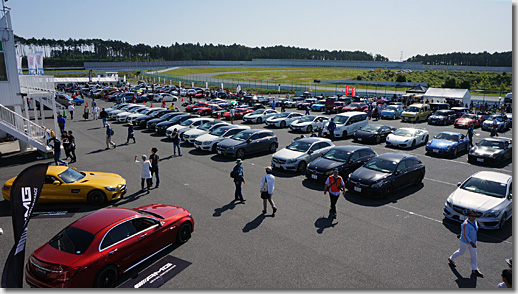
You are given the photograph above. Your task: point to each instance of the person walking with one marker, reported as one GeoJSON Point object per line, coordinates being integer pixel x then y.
{"type": "Point", "coordinates": [335, 184]}
{"type": "Point", "coordinates": [239, 179]}
{"type": "Point", "coordinates": [104, 117]}
{"type": "Point", "coordinates": [176, 143]}
{"type": "Point", "coordinates": [109, 134]}
{"type": "Point", "coordinates": [72, 148]}
{"type": "Point", "coordinates": [507, 279]}
{"type": "Point", "coordinates": [61, 123]}
{"type": "Point", "coordinates": [468, 240]}
{"type": "Point", "coordinates": [319, 127]}
{"type": "Point", "coordinates": [283, 107]}
{"type": "Point", "coordinates": [154, 159]}
{"type": "Point", "coordinates": [267, 187]}
{"type": "Point", "coordinates": [95, 111]}
{"type": "Point", "coordinates": [86, 112]}
{"type": "Point", "coordinates": [57, 151]}
{"type": "Point", "coordinates": [331, 127]}
{"type": "Point", "coordinates": [469, 134]}
{"type": "Point", "coordinates": [66, 144]}
{"type": "Point", "coordinates": [145, 172]}
{"type": "Point", "coordinates": [131, 133]}
{"type": "Point", "coordinates": [307, 110]}
{"type": "Point", "coordinates": [49, 136]}
{"type": "Point", "coordinates": [232, 113]}
{"type": "Point", "coordinates": [71, 109]}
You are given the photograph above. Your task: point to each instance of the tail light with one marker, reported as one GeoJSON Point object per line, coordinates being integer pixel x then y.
{"type": "Point", "coordinates": [61, 273]}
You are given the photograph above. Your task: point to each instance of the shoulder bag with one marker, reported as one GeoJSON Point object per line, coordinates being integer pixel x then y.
{"type": "Point", "coordinates": [264, 189]}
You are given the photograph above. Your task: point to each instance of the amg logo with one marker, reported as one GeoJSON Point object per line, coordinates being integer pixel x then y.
{"type": "Point", "coordinates": [152, 277]}
{"type": "Point", "coordinates": [26, 203]}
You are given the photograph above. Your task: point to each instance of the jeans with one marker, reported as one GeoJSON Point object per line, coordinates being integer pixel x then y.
{"type": "Point", "coordinates": [333, 199]}
{"type": "Point", "coordinates": [176, 146]}
{"type": "Point", "coordinates": [57, 155]}
{"type": "Point", "coordinates": [104, 122]}
{"type": "Point", "coordinates": [238, 194]}
{"type": "Point", "coordinates": [155, 171]}
{"type": "Point", "coordinates": [148, 181]}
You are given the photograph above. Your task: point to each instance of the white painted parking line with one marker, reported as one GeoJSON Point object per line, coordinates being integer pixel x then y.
{"type": "Point", "coordinates": [440, 181]}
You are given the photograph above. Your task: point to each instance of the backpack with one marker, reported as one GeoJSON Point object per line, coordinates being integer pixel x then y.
{"type": "Point", "coordinates": [111, 132]}
{"type": "Point", "coordinates": [232, 174]}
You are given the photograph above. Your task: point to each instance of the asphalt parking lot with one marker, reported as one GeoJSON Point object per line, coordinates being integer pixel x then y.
{"type": "Point", "coordinates": [399, 242]}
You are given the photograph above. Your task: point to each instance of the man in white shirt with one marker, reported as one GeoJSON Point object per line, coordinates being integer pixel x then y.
{"type": "Point", "coordinates": [507, 279]}
{"type": "Point", "coordinates": [95, 111]}
{"type": "Point", "coordinates": [145, 172]}
{"type": "Point", "coordinates": [71, 109]}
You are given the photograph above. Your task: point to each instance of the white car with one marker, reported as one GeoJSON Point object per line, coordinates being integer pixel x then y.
{"type": "Point", "coordinates": [186, 125]}
{"type": "Point", "coordinates": [191, 135]}
{"type": "Point", "coordinates": [113, 114]}
{"type": "Point", "coordinates": [488, 193]}
{"type": "Point", "coordinates": [124, 115]}
{"type": "Point", "coordinates": [308, 123]}
{"type": "Point", "coordinates": [209, 142]}
{"type": "Point", "coordinates": [299, 153]}
{"type": "Point", "coordinates": [407, 137]}
{"type": "Point", "coordinates": [259, 115]}
{"type": "Point", "coordinates": [134, 116]}
{"type": "Point", "coordinates": [168, 97]}
{"type": "Point", "coordinates": [283, 119]}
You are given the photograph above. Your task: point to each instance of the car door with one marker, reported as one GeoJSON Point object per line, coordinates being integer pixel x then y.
{"type": "Point", "coordinates": [54, 192]}
{"type": "Point", "coordinates": [401, 175]}
{"type": "Point", "coordinates": [120, 246]}
{"type": "Point", "coordinates": [314, 151]}
{"type": "Point", "coordinates": [354, 161]}
{"type": "Point", "coordinates": [253, 143]}
{"type": "Point", "coordinates": [150, 236]}
{"type": "Point", "coordinates": [463, 142]}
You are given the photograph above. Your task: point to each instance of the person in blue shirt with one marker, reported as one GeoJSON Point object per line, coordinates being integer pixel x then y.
{"type": "Point", "coordinates": [331, 127]}
{"type": "Point", "coordinates": [61, 122]}
{"type": "Point", "coordinates": [238, 179]}
{"type": "Point", "coordinates": [468, 240]}
{"type": "Point", "coordinates": [470, 135]}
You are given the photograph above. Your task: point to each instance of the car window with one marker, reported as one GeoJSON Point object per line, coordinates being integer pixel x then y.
{"type": "Point", "coordinates": [323, 145]}
{"type": "Point", "coordinates": [72, 240]}
{"type": "Point", "coordinates": [118, 233]}
{"type": "Point", "coordinates": [50, 179]}
{"type": "Point", "coordinates": [366, 153]}
{"type": "Point", "coordinates": [263, 135]}
{"type": "Point", "coordinates": [401, 166]}
{"type": "Point", "coordinates": [315, 147]}
{"type": "Point", "coordinates": [142, 223]}
{"type": "Point", "coordinates": [355, 155]}
{"type": "Point", "coordinates": [254, 137]}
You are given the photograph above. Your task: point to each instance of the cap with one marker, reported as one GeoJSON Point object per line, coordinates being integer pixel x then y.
{"type": "Point", "coordinates": [130, 123]}
{"type": "Point", "coordinates": [509, 261]}
{"type": "Point", "coordinates": [239, 160]}
{"type": "Point", "coordinates": [144, 157]}
{"type": "Point", "coordinates": [268, 169]}
{"type": "Point", "coordinates": [335, 170]}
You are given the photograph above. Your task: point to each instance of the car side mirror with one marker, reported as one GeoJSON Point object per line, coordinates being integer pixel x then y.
{"type": "Point", "coordinates": [249, 140]}
{"type": "Point", "coordinates": [510, 196]}
{"type": "Point", "coordinates": [56, 183]}
{"type": "Point", "coordinates": [310, 152]}
{"type": "Point", "coordinates": [458, 184]}
{"type": "Point", "coordinates": [74, 169]}
{"type": "Point", "coordinates": [397, 172]}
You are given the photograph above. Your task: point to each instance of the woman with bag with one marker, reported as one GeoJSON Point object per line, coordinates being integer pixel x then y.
{"type": "Point", "coordinates": [267, 188]}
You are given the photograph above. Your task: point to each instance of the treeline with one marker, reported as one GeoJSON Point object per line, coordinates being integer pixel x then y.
{"type": "Point", "coordinates": [503, 59]}
{"type": "Point", "coordinates": [73, 52]}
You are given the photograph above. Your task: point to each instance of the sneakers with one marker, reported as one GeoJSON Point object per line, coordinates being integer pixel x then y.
{"type": "Point", "coordinates": [274, 210]}
{"type": "Point", "coordinates": [451, 263]}
{"type": "Point", "coordinates": [477, 273]}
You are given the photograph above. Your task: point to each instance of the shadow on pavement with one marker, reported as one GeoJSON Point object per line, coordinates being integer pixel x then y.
{"type": "Point", "coordinates": [254, 224]}
{"type": "Point", "coordinates": [313, 185]}
{"type": "Point", "coordinates": [462, 282]}
{"type": "Point", "coordinates": [323, 223]}
{"type": "Point", "coordinates": [376, 200]}
{"type": "Point", "coordinates": [229, 206]}
{"type": "Point", "coordinates": [131, 197]}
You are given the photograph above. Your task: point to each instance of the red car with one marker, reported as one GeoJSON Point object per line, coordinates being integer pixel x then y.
{"type": "Point", "coordinates": [356, 106]}
{"type": "Point", "coordinates": [94, 250]}
{"type": "Point", "coordinates": [468, 120]}
{"type": "Point", "coordinates": [190, 108]}
{"type": "Point", "coordinates": [306, 103]}
{"type": "Point", "coordinates": [209, 109]}
{"type": "Point", "coordinates": [238, 113]}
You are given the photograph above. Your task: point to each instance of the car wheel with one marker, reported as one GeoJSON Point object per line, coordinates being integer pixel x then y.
{"type": "Point", "coordinates": [259, 120]}
{"type": "Point", "coordinates": [283, 124]}
{"type": "Point", "coordinates": [214, 148]}
{"type": "Point", "coordinates": [106, 278]}
{"type": "Point", "coordinates": [387, 192]}
{"type": "Point", "coordinates": [413, 145]}
{"type": "Point", "coordinates": [394, 116]}
{"type": "Point", "coordinates": [501, 224]}
{"type": "Point", "coordinates": [96, 197]}
{"type": "Point", "coordinates": [378, 139]}
{"type": "Point", "coordinates": [301, 168]}
{"type": "Point", "coordinates": [309, 129]}
{"type": "Point", "coordinates": [273, 147]}
{"type": "Point", "coordinates": [419, 179]}
{"type": "Point", "coordinates": [184, 233]}
{"type": "Point", "coordinates": [206, 113]}
{"type": "Point", "coordinates": [240, 153]}
{"type": "Point", "coordinates": [426, 139]}
{"type": "Point", "coordinates": [455, 152]}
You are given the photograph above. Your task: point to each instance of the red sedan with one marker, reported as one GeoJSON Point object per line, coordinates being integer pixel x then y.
{"type": "Point", "coordinates": [94, 250]}
{"type": "Point", "coordinates": [238, 113]}
{"type": "Point", "coordinates": [190, 108]}
{"type": "Point", "coordinates": [356, 106]}
{"type": "Point", "coordinates": [209, 109]}
{"type": "Point", "coordinates": [468, 120]}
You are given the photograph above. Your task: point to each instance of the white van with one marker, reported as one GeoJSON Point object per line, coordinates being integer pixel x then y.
{"type": "Point", "coordinates": [347, 123]}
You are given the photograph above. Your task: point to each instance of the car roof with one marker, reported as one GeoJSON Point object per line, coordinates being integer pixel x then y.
{"type": "Point", "coordinates": [312, 140]}
{"type": "Point", "coordinates": [98, 220]}
{"type": "Point", "coordinates": [450, 133]}
{"type": "Point", "coordinates": [394, 156]}
{"type": "Point", "coordinates": [253, 131]}
{"type": "Point", "coordinates": [350, 113]}
{"type": "Point", "coordinates": [350, 148]}
{"type": "Point", "coordinates": [498, 139]}
{"type": "Point", "coordinates": [493, 176]}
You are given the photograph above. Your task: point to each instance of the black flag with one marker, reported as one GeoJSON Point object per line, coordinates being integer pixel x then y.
{"type": "Point", "coordinates": [25, 192]}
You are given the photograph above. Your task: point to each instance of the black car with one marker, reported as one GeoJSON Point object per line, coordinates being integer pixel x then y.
{"type": "Point", "coordinates": [151, 124]}
{"type": "Point", "coordinates": [372, 133]}
{"type": "Point", "coordinates": [161, 128]}
{"type": "Point", "coordinates": [442, 117]}
{"type": "Point", "coordinates": [249, 141]}
{"type": "Point", "coordinates": [386, 173]}
{"type": "Point", "coordinates": [345, 158]}
{"type": "Point", "coordinates": [142, 120]}
{"type": "Point", "coordinates": [491, 150]}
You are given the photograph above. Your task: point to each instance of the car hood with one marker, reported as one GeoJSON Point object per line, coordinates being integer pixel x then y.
{"type": "Point", "coordinates": [230, 143]}
{"type": "Point", "coordinates": [145, 117]}
{"type": "Point", "coordinates": [361, 133]}
{"type": "Point", "coordinates": [464, 120]}
{"type": "Point", "coordinates": [472, 200]}
{"type": "Point", "coordinates": [368, 175]}
{"type": "Point", "coordinates": [485, 150]}
{"type": "Point", "coordinates": [206, 138]}
{"type": "Point", "coordinates": [396, 138]}
{"type": "Point", "coordinates": [249, 115]}
{"type": "Point", "coordinates": [100, 178]}
{"type": "Point", "coordinates": [388, 111]}
{"type": "Point", "coordinates": [164, 210]}
{"type": "Point", "coordinates": [441, 143]}
{"type": "Point", "coordinates": [271, 119]}
{"type": "Point", "coordinates": [438, 117]}
{"type": "Point", "coordinates": [287, 154]}
{"type": "Point", "coordinates": [194, 132]}
{"type": "Point", "coordinates": [322, 164]}
{"type": "Point", "coordinates": [301, 124]}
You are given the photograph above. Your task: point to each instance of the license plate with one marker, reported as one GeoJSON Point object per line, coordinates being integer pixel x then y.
{"type": "Point", "coordinates": [41, 272]}
{"type": "Point", "coordinates": [360, 139]}
{"type": "Point", "coordinates": [314, 177]}
{"type": "Point", "coordinates": [276, 165]}
{"type": "Point", "coordinates": [436, 150]}
{"type": "Point", "coordinates": [480, 159]}
{"type": "Point", "coordinates": [357, 189]}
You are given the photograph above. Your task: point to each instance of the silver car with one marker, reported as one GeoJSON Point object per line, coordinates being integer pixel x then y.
{"type": "Point", "coordinates": [300, 153]}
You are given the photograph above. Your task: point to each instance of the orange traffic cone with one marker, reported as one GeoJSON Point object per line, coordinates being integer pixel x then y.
{"type": "Point", "coordinates": [182, 99]}
{"type": "Point", "coordinates": [219, 114]}
{"type": "Point", "coordinates": [144, 102]}
{"type": "Point", "coordinates": [151, 104]}
{"type": "Point", "coordinates": [86, 103]}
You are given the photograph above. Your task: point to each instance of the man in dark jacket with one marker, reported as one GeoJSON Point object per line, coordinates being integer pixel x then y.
{"type": "Point", "coordinates": [331, 127]}
{"type": "Point", "coordinates": [104, 116]}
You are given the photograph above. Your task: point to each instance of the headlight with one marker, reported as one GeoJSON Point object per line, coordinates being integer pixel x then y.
{"type": "Point", "coordinates": [378, 184]}
{"type": "Point", "coordinates": [329, 172]}
{"type": "Point", "coordinates": [406, 141]}
{"type": "Point", "coordinates": [111, 189]}
{"type": "Point", "coordinates": [428, 143]}
{"type": "Point", "coordinates": [448, 203]}
{"type": "Point", "coordinates": [206, 143]}
{"type": "Point", "coordinates": [493, 155]}
{"type": "Point", "coordinates": [292, 160]}
{"type": "Point", "coordinates": [493, 213]}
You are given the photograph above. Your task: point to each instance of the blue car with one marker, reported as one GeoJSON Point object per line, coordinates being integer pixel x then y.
{"type": "Point", "coordinates": [448, 143]}
{"type": "Point", "coordinates": [318, 107]}
{"type": "Point", "coordinates": [392, 112]}
{"type": "Point", "coordinates": [79, 101]}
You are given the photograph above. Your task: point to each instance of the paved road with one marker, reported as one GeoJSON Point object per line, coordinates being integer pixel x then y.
{"type": "Point", "coordinates": [401, 242]}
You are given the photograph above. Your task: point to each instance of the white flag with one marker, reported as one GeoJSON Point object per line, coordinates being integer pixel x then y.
{"type": "Point", "coordinates": [39, 63]}
{"type": "Point", "coordinates": [221, 86]}
{"type": "Point", "coordinates": [19, 64]}
{"type": "Point", "coordinates": [31, 61]}
{"type": "Point", "coordinates": [192, 84]}
{"type": "Point", "coordinates": [206, 85]}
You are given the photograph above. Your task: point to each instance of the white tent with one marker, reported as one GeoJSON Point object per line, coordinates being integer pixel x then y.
{"type": "Point", "coordinates": [441, 94]}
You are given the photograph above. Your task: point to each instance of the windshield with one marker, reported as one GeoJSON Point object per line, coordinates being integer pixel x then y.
{"type": "Point", "coordinates": [307, 118]}
{"type": "Point", "coordinates": [412, 109]}
{"type": "Point", "coordinates": [486, 187]}
{"type": "Point", "coordinates": [243, 136]}
{"type": "Point", "coordinates": [206, 126]}
{"type": "Point", "coordinates": [498, 118]}
{"type": "Point", "coordinates": [391, 108]}
{"type": "Point", "coordinates": [448, 137]}
{"type": "Point", "coordinates": [70, 176]}
{"type": "Point", "coordinates": [281, 115]}
{"type": "Point", "coordinates": [354, 105]}
{"type": "Point", "coordinates": [404, 133]}
{"type": "Point", "coordinates": [381, 165]}
{"type": "Point", "coordinates": [442, 112]}
{"type": "Point", "coordinates": [259, 111]}
{"type": "Point", "coordinates": [167, 116]}
{"type": "Point", "coordinates": [186, 123]}
{"type": "Point", "coordinates": [337, 155]}
{"type": "Point", "coordinates": [340, 119]}
{"type": "Point", "coordinates": [298, 146]}
{"type": "Point", "coordinates": [176, 119]}
{"type": "Point", "coordinates": [472, 116]}
{"type": "Point", "coordinates": [370, 128]}
{"type": "Point", "coordinates": [491, 144]}
{"type": "Point", "coordinates": [72, 240]}
{"type": "Point", "coordinates": [218, 131]}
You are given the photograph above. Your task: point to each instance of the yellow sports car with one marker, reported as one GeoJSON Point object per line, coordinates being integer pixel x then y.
{"type": "Point", "coordinates": [63, 184]}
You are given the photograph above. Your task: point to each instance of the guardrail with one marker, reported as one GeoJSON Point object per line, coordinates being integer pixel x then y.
{"type": "Point", "coordinates": [21, 125]}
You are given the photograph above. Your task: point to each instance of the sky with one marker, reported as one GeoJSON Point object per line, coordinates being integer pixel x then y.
{"type": "Point", "coordinates": [388, 27]}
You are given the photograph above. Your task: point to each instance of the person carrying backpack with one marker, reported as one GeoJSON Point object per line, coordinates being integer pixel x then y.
{"type": "Point", "coordinates": [109, 134]}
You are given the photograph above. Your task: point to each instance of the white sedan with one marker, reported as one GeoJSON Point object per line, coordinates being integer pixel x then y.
{"type": "Point", "coordinates": [308, 123]}
{"type": "Point", "coordinates": [407, 138]}
{"type": "Point", "coordinates": [259, 115]}
{"type": "Point", "coordinates": [134, 116]}
{"type": "Point", "coordinates": [488, 193]}
{"type": "Point", "coordinates": [283, 119]}
{"type": "Point", "coordinates": [191, 135]}
{"type": "Point", "coordinates": [300, 153]}
{"type": "Point", "coordinates": [209, 142]}
{"type": "Point", "coordinates": [186, 125]}
{"type": "Point", "coordinates": [122, 117]}
{"type": "Point", "coordinates": [168, 97]}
